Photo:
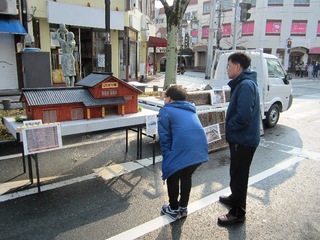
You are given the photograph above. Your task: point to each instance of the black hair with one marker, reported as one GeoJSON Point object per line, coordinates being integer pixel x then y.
{"type": "Point", "coordinates": [242, 58]}
{"type": "Point", "coordinates": [176, 93]}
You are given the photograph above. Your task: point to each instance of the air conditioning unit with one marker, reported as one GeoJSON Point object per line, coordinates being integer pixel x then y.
{"type": "Point", "coordinates": [8, 7]}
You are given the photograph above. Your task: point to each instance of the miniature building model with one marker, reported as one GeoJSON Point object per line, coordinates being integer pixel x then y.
{"type": "Point", "coordinates": [96, 96]}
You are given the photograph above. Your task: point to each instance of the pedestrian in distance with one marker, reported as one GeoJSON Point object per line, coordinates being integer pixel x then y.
{"type": "Point", "coordinates": [301, 69]}
{"type": "Point", "coordinates": [184, 148]}
{"type": "Point", "coordinates": [310, 70]}
{"type": "Point", "coordinates": [242, 133]}
{"type": "Point", "coordinates": [315, 69]}
{"type": "Point", "coordinates": [297, 70]}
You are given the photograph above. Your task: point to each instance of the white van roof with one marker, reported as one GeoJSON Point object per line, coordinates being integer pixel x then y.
{"type": "Point", "coordinates": [220, 79]}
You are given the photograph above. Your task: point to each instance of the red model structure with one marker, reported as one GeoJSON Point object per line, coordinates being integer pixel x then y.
{"type": "Point", "coordinates": [96, 96]}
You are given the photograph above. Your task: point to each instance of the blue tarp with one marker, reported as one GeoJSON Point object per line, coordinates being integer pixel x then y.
{"type": "Point", "coordinates": [12, 26]}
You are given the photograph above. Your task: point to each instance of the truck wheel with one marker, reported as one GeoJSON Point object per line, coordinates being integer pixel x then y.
{"type": "Point", "coordinates": [272, 116]}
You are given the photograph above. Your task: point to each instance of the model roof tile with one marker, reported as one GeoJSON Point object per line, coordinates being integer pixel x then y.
{"type": "Point", "coordinates": [54, 96]}
{"type": "Point", "coordinates": [93, 79]}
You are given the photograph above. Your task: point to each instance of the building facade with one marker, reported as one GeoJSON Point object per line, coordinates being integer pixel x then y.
{"type": "Point", "coordinates": [271, 24]}
{"type": "Point", "coordinates": [130, 26]}
{"type": "Point", "coordinates": [12, 33]}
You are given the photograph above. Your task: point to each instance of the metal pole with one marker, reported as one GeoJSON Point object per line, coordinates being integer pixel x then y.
{"type": "Point", "coordinates": [181, 46]}
{"type": "Point", "coordinates": [211, 34]}
{"type": "Point", "coordinates": [286, 57]}
{"type": "Point", "coordinates": [24, 15]}
{"type": "Point", "coordinates": [235, 25]}
{"type": "Point", "coordinates": [107, 61]}
{"type": "Point", "coordinates": [219, 32]}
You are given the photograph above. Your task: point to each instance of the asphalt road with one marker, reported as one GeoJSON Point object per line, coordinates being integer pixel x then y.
{"type": "Point", "coordinates": [92, 189]}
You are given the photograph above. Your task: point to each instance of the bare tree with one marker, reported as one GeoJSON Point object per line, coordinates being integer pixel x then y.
{"type": "Point", "coordinates": [239, 39]}
{"type": "Point", "coordinates": [174, 14]}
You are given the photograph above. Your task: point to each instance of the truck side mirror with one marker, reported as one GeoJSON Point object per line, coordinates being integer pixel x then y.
{"type": "Point", "coordinates": [287, 78]}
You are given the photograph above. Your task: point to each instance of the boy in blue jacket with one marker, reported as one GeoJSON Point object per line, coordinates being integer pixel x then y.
{"type": "Point", "coordinates": [242, 133]}
{"type": "Point", "coordinates": [184, 147]}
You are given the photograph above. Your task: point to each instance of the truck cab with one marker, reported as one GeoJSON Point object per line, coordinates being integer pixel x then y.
{"type": "Point", "coordinates": [274, 84]}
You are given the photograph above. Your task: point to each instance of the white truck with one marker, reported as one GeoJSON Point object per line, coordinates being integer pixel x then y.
{"type": "Point", "coordinates": [275, 89]}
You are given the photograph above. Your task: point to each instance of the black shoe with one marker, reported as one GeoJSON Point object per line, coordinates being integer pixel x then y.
{"type": "Point", "coordinates": [225, 200]}
{"type": "Point", "coordinates": [229, 219]}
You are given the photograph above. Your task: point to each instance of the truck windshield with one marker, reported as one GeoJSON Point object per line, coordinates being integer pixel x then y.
{"type": "Point", "coordinates": [275, 69]}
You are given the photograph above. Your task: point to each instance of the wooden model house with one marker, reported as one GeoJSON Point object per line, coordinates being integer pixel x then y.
{"type": "Point", "coordinates": [96, 96]}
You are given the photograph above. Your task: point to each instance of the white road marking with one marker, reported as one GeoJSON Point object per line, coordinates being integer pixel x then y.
{"type": "Point", "coordinates": [201, 203]}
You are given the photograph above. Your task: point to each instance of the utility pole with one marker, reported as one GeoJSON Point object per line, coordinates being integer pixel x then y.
{"type": "Point", "coordinates": [236, 13]}
{"type": "Point", "coordinates": [219, 31]}
{"type": "Point", "coordinates": [107, 43]}
{"type": "Point", "coordinates": [211, 34]}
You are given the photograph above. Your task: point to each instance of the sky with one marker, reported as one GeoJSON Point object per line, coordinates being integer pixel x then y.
{"type": "Point", "coordinates": [159, 4]}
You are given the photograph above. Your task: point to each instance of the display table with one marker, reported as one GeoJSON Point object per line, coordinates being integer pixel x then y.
{"type": "Point", "coordinates": [135, 122]}
{"type": "Point", "coordinates": [83, 126]}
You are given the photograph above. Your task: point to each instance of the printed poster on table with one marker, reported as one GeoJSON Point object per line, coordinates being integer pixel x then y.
{"type": "Point", "coordinates": [213, 132]}
{"type": "Point", "coordinates": [217, 97]}
{"type": "Point", "coordinates": [151, 125]}
{"type": "Point", "coordinates": [41, 138]}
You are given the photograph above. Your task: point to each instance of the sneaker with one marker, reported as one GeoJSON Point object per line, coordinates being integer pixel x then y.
{"type": "Point", "coordinates": [174, 214]}
{"type": "Point", "coordinates": [183, 212]}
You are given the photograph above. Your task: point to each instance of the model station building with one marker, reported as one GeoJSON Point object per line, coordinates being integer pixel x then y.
{"type": "Point", "coordinates": [95, 96]}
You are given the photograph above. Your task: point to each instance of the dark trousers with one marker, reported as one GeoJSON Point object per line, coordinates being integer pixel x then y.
{"type": "Point", "coordinates": [180, 182]}
{"type": "Point", "coordinates": [241, 158]}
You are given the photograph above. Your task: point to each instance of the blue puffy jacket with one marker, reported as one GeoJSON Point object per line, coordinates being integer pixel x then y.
{"type": "Point", "coordinates": [182, 138]}
{"type": "Point", "coordinates": [243, 114]}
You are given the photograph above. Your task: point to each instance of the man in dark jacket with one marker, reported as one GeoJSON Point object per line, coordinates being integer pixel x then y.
{"type": "Point", "coordinates": [184, 147]}
{"type": "Point", "coordinates": [242, 133]}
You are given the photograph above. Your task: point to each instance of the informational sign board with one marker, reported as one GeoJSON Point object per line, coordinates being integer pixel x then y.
{"type": "Point", "coordinates": [151, 125]}
{"type": "Point", "coordinates": [217, 97]}
{"type": "Point", "coordinates": [41, 138]}
{"type": "Point", "coordinates": [213, 133]}
{"type": "Point", "coordinates": [32, 122]}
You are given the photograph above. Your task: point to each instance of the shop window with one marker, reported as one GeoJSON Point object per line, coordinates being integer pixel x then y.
{"type": "Point", "coordinates": [133, 60]}
{"type": "Point", "coordinates": [299, 27]}
{"type": "Point", "coordinates": [226, 30]}
{"type": "Point", "coordinates": [301, 3]}
{"type": "Point", "coordinates": [77, 113]}
{"type": "Point", "coordinates": [206, 7]}
{"type": "Point", "coordinates": [273, 27]}
{"type": "Point", "coordinates": [253, 2]}
{"type": "Point", "coordinates": [129, 98]}
{"type": "Point", "coordinates": [227, 5]}
{"type": "Point", "coordinates": [247, 28]}
{"type": "Point", "coordinates": [98, 52]}
{"type": "Point", "coordinates": [205, 32]}
{"type": "Point", "coordinates": [113, 92]}
{"type": "Point", "coordinates": [50, 116]}
{"type": "Point", "coordinates": [318, 29]}
{"type": "Point", "coordinates": [275, 2]}
{"type": "Point", "coordinates": [194, 36]}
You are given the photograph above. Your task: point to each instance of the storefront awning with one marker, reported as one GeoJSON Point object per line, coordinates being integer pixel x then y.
{"type": "Point", "coordinates": [315, 50]}
{"type": "Point", "coordinates": [11, 26]}
{"type": "Point", "coordinates": [157, 42]}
